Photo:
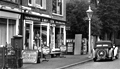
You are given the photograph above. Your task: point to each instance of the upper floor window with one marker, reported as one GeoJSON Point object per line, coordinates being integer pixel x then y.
{"type": "Point", "coordinates": [15, 1]}
{"type": "Point", "coordinates": [37, 3]}
{"type": "Point", "coordinates": [57, 7]}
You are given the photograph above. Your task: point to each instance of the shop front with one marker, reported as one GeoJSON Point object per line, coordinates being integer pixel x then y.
{"type": "Point", "coordinates": [9, 28]}
{"type": "Point", "coordinates": [57, 37]}
{"type": "Point", "coordinates": [39, 32]}
{"type": "Point", "coordinates": [9, 23]}
{"type": "Point", "coordinates": [29, 31]}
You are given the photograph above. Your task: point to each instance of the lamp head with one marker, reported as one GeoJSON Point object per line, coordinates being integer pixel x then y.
{"type": "Point", "coordinates": [89, 13]}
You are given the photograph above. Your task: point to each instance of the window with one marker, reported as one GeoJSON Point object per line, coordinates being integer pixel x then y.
{"type": "Point", "coordinates": [7, 30]}
{"type": "Point", "coordinates": [37, 3]}
{"type": "Point", "coordinates": [15, 1]}
{"type": "Point", "coordinates": [57, 7]}
{"type": "Point", "coordinates": [30, 2]}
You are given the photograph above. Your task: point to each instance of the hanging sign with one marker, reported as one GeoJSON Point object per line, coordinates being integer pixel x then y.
{"type": "Point", "coordinates": [30, 56]}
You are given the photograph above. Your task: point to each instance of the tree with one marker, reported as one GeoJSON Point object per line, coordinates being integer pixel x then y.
{"type": "Point", "coordinates": [77, 18]}
{"type": "Point", "coordinates": [109, 13]}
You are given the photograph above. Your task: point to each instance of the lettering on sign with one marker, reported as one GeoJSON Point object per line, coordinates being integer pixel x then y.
{"type": "Point", "coordinates": [32, 18]}
{"type": "Point", "coordinates": [30, 56]}
{"type": "Point", "coordinates": [45, 20]}
{"type": "Point", "coordinates": [52, 21]}
{"type": "Point", "coordinates": [57, 22]}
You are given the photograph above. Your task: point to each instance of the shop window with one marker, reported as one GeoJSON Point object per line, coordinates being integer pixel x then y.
{"type": "Point", "coordinates": [37, 3]}
{"type": "Point", "coordinates": [15, 1]}
{"type": "Point", "coordinates": [44, 35]}
{"type": "Point", "coordinates": [6, 33]}
{"type": "Point", "coordinates": [57, 7]}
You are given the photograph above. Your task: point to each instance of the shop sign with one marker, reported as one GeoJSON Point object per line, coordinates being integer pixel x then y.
{"type": "Point", "coordinates": [57, 22]}
{"type": "Point", "coordinates": [30, 56]}
{"type": "Point", "coordinates": [32, 18]}
{"type": "Point", "coordinates": [52, 21]}
{"type": "Point", "coordinates": [45, 50]}
{"type": "Point", "coordinates": [63, 48]}
{"type": "Point", "coordinates": [70, 45]}
{"type": "Point", "coordinates": [45, 20]}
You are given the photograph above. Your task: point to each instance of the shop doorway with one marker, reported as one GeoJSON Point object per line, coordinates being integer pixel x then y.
{"type": "Point", "coordinates": [59, 37]}
{"type": "Point", "coordinates": [40, 35]}
{"type": "Point", "coordinates": [28, 34]}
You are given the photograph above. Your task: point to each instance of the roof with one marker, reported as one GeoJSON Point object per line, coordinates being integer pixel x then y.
{"type": "Point", "coordinates": [104, 41]}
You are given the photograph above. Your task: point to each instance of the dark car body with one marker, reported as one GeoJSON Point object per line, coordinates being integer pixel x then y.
{"type": "Point", "coordinates": [105, 50]}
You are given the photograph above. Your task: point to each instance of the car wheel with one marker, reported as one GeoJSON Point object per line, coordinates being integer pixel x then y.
{"type": "Point", "coordinates": [94, 59]}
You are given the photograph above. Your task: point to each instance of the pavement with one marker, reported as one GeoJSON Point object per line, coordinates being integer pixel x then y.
{"type": "Point", "coordinates": [59, 63]}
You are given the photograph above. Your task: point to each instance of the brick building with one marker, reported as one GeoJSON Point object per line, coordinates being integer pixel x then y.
{"type": "Point", "coordinates": [38, 21]}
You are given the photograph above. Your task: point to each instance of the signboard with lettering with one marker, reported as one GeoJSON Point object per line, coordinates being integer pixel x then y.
{"type": "Point", "coordinates": [70, 47]}
{"type": "Point", "coordinates": [58, 22]}
{"type": "Point", "coordinates": [32, 18]}
{"type": "Point", "coordinates": [30, 56]}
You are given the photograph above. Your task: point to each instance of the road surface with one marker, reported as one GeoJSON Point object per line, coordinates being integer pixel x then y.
{"type": "Point", "coordinates": [107, 64]}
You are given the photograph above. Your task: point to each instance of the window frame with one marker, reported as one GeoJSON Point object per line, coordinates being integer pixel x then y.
{"type": "Point", "coordinates": [59, 8]}
{"type": "Point", "coordinates": [31, 3]}
{"type": "Point", "coordinates": [38, 5]}
{"type": "Point", "coordinates": [34, 4]}
{"type": "Point", "coordinates": [16, 1]}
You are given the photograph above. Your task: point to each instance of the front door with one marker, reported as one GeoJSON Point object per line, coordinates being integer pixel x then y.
{"type": "Point", "coordinates": [28, 34]}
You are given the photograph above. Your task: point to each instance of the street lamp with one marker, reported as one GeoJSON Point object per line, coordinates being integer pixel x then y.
{"type": "Point", "coordinates": [89, 14]}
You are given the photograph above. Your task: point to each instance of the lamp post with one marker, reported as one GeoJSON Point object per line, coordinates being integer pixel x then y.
{"type": "Point", "coordinates": [89, 14]}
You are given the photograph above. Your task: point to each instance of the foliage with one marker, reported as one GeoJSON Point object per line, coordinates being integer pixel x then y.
{"type": "Point", "coordinates": [75, 13]}
{"type": "Point", "coordinates": [77, 18]}
{"type": "Point", "coordinates": [109, 13]}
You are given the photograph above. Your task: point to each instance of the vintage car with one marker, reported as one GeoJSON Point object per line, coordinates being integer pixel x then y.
{"type": "Point", "coordinates": [105, 50]}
